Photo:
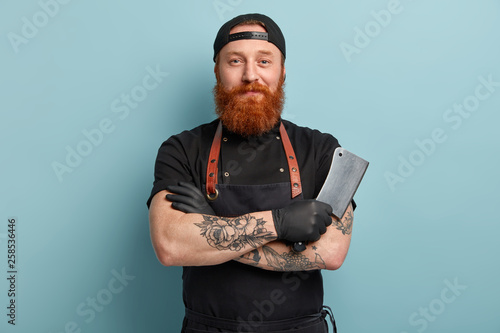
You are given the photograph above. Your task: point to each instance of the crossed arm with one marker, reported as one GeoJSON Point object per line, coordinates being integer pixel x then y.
{"type": "Point", "coordinates": [328, 252]}
{"type": "Point", "coordinates": [181, 239]}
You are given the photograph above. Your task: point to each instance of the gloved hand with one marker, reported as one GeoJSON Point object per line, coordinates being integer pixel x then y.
{"type": "Point", "coordinates": [188, 199]}
{"type": "Point", "coordinates": [302, 221]}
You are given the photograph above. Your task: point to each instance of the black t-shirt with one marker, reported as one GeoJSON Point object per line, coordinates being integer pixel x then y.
{"type": "Point", "coordinates": [245, 161]}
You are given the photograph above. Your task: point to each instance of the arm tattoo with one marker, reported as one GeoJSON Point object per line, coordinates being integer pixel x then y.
{"type": "Point", "coordinates": [344, 225]}
{"type": "Point", "coordinates": [233, 234]}
{"type": "Point", "coordinates": [291, 261]}
{"type": "Point", "coordinates": [251, 258]}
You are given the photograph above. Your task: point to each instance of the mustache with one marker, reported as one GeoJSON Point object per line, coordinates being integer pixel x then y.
{"type": "Point", "coordinates": [251, 87]}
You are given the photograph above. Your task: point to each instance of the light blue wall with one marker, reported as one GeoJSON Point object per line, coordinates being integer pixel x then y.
{"type": "Point", "coordinates": [426, 218]}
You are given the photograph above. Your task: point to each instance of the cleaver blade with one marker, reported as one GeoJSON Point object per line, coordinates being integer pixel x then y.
{"type": "Point", "coordinates": [345, 175]}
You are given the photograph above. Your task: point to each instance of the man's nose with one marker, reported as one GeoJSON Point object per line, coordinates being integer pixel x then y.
{"type": "Point", "coordinates": [251, 73]}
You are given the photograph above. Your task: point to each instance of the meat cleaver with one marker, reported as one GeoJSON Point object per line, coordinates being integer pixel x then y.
{"type": "Point", "coordinates": [346, 172]}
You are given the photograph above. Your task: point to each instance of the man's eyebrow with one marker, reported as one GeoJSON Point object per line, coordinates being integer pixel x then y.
{"type": "Point", "coordinates": [234, 53]}
{"type": "Point", "coordinates": [265, 52]}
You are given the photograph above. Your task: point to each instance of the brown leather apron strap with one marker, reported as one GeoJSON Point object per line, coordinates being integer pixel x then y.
{"type": "Point", "coordinates": [213, 161]}
{"type": "Point", "coordinates": [293, 165]}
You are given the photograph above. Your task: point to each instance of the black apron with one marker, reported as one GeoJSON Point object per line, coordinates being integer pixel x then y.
{"type": "Point", "coordinates": [235, 297]}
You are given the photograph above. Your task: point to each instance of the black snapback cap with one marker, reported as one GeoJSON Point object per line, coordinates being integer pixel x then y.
{"type": "Point", "coordinates": [273, 34]}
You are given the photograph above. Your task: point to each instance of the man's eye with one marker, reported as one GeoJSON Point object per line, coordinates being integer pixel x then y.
{"type": "Point", "coordinates": [235, 61]}
{"type": "Point", "coordinates": [265, 62]}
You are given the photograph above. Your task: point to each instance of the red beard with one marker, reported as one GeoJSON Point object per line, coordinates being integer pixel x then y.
{"type": "Point", "coordinates": [249, 115]}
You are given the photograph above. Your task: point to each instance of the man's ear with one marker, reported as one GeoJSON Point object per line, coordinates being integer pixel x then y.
{"type": "Point", "coordinates": [216, 66]}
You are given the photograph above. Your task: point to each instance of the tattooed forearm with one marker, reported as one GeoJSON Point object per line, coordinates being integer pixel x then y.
{"type": "Point", "coordinates": [234, 233]}
{"type": "Point", "coordinates": [251, 258]}
{"type": "Point", "coordinates": [344, 225]}
{"type": "Point", "coordinates": [291, 261]}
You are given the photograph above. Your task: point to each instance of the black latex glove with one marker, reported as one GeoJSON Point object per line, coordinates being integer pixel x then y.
{"type": "Point", "coordinates": [188, 199]}
{"type": "Point", "coordinates": [302, 221]}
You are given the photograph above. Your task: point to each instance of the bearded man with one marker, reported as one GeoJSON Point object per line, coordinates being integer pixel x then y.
{"type": "Point", "coordinates": [231, 196]}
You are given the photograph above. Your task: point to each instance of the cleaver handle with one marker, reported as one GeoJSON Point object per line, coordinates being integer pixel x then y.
{"type": "Point", "coordinates": [299, 246]}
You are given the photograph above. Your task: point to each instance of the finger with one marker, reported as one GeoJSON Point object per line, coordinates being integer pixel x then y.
{"type": "Point", "coordinates": [315, 237]}
{"type": "Point", "coordinates": [328, 209]}
{"type": "Point", "coordinates": [192, 187]}
{"type": "Point", "coordinates": [322, 228]}
{"type": "Point", "coordinates": [180, 190]}
{"type": "Point", "coordinates": [183, 207]}
{"type": "Point", "coordinates": [195, 192]}
{"type": "Point", "coordinates": [191, 190]}
{"type": "Point", "coordinates": [181, 199]}
{"type": "Point", "coordinates": [328, 220]}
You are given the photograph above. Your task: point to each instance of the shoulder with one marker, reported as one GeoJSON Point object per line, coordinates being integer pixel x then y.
{"type": "Point", "coordinates": [187, 145]}
{"type": "Point", "coordinates": [200, 132]}
{"type": "Point", "coordinates": [308, 136]}
{"type": "Point", "coordinates": [192, 137]}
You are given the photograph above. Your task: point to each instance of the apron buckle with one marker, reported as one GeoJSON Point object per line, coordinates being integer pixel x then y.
{"type": "Point", "coordinates": [213, 196]}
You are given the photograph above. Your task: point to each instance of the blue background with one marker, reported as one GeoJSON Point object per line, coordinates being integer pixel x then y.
{"type": "Point", "coordinates": [413, 236]}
